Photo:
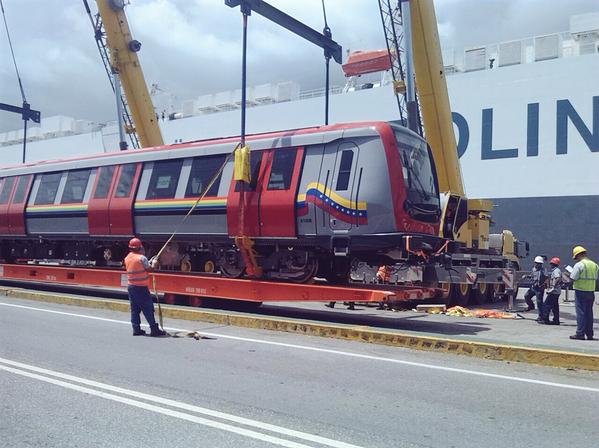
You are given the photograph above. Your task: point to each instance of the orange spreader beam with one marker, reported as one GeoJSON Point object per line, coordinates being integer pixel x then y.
{"type": "Point", "coordinates": [206, 286]}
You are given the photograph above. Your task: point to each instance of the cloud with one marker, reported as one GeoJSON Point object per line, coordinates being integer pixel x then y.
{"type": "Point", "coordinates": [193, 47]}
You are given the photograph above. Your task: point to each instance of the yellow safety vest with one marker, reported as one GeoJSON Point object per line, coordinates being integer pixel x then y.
{"type": "Point", "coordinates": [588, 277]}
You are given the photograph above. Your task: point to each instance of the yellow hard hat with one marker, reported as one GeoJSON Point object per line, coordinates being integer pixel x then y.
{"type": "Point", "coordinates": [577, 251]}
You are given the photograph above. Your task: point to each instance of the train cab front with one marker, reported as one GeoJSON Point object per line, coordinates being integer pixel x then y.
{"type": "Point", "coordinates": [414, 239]}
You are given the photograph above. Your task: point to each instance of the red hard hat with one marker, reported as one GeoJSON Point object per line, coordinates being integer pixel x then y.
{"type": "Point", "coordinates": [555, 260]}
{"type": "Point", "coordinates": [135, 243]}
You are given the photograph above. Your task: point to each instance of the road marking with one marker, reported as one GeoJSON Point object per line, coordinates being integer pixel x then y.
{"type": "Point", "coordinates": [45, 375]}
{"type": "Point", "coordinates": [336, 352]}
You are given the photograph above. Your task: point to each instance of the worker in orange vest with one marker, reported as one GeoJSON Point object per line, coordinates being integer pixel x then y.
{"type": "Point", "coordinates": [138, 282]}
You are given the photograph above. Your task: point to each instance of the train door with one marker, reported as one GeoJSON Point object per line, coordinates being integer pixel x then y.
{"type": "Point", "coordinates": [6, 187]}
{"type": "Point", "coordinates": [16, 210]}
{"type": "Point", "coordinates": [122, 198]}
{"type": "Point", "coordinates": [258, 162]}
{"type": "Point", "coordinates": [337, 187]}
{"type": "Point", "coordinates": [98, 217]}
{"type": "Point", "coordinates": [279, 190]}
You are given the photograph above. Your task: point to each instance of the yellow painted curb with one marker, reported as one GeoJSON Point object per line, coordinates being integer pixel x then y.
{"type": "Point", "coordinates": [500, 352]}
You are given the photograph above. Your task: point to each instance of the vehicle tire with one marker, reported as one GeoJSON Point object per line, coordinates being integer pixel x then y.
{"type": "Point", "coordinates": [459, 294]}
{"type": "Point", "coordinates": [481, 295]}
{"type": "Point", "coordinates": [498, 293]}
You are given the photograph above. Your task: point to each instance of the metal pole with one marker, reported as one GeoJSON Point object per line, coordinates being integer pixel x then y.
{"type": "Point", "coordinates": [412, 105]}
{"type": "Point", "coordinates": [24, 138]}
{"type": "Point", "coordinates": [119, 111]}
{"type": "Point", "coordinates": [327, 58]}
{"type": "Point", "coordinates": [243, 76]}
{"type": "Point", "coordinates": [326, 94]}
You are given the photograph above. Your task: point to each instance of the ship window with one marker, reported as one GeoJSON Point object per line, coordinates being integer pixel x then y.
{"type": "Point", "coordinates": [22, 185]}
{"type": "Point", "coordinates": [104, 181]}
{"type": "Point", "coordinates": [347, 158]}
{"type": "Point", "coordinates": [7, 187]}
{"type": "Point", "coordinates": [46, 192]}
{"type": "Point", "coordinates": [165, 176]}
{"type": "Point", "coordinates": [282, 169]}
{"type": "Point", "coordinates": [75, 187]}
{"type": "Point", "coordinates": [123, 189]}
{"type": "Point", "coordinates": [202, 172]}
{"type": "Point", "coordinates": [255, 162]}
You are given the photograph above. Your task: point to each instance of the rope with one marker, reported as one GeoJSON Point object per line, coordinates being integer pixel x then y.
{"type": "Point", "coordinates": [12, 53]}
{"type": "Point", "coordinates": [157, 256]}
{"type": "Point", "coordinates": [216, 175]}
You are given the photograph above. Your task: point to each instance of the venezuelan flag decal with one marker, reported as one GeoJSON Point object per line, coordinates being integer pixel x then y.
{"type": "Point", "coordinates": [181, 205]}
{"type": "Point", "coordinates": [331, 202]}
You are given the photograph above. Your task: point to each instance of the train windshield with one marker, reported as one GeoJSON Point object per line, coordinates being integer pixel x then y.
{"type": "Point", "coordinates": [419, 177]}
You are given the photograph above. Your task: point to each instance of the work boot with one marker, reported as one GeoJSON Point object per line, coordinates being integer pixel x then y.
{"type": "Point", "coordinates": [138, 332]}
{"type": "Point", "coordinates": [157, 332]}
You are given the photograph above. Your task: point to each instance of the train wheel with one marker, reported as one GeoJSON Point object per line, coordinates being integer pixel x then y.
{"type": "Point", "coordinates": [481, 294]}
{"type": "Point", "coordinates": [460, 294]}
{"type": "Point", "coordinates": [209, 266]}
{"type": "Point", "coordinates": [185, 265]}
{"type": "Point", "coordinates": [308, 273]}
{"type": "Point", "coordinates": [231, 265]}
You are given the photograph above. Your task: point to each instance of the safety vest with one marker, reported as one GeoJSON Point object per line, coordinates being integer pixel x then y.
{"type": "Point", "coordinates": [137, 275]}
{"type": "Point", "coordinates": [588, 276]}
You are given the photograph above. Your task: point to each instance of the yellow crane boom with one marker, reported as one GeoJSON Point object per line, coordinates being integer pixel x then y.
{"type": "Point", "coordinates": [433, 96]}
{"type": "Point", "coordinates": [123, 58]}
{"type": "Point", "coordinates": [464, 220]}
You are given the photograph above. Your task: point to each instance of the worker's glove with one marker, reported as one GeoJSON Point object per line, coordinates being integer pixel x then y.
{"type": "Point", "coordinates": [154, 263]}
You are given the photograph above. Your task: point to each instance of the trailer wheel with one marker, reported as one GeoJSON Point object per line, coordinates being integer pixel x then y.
{"type": "Point", "coordinates": [459, 294]}
{"type": "Point", "coordinates": [481, 295]}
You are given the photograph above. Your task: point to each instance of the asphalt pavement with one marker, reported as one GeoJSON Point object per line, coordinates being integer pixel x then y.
{"type": "Point", "coordinates": [76, 377]}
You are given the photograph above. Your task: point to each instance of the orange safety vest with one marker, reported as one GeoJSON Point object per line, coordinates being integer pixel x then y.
{"type": "Point", "coordinates": [137, 275]}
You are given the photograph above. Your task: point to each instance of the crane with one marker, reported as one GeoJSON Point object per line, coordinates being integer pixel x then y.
{"type": "Point", "coordinates": [464, 220]}
{"type": "Point", "coordinates": [123, 61]}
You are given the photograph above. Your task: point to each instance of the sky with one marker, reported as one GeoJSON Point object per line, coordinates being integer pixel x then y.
{"type": "Point", "coordinates": [193, 47]}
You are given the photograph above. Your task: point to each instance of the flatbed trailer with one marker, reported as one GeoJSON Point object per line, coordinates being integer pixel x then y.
{"type": "Point", "coordinates": [195, 287]}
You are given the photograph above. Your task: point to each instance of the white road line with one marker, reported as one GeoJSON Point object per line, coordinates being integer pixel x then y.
{"type": "Point", "coordinates": [337, 352]}
{"type": "Point", "coordinates": [159, 410]}
{"type": "Point", "coordinates": [184, 406]}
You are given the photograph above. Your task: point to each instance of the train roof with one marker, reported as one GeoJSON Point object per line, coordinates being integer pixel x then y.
{"type": "Point", "coordinates": [296, 137]}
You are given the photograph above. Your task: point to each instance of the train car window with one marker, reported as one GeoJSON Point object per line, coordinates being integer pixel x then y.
{"type": "Point", "coordinates": [104, 181]}
{"type": "Point", "coordinates": [203, 170]}
{"type": "Point", "coordinates": [6, 189]}
{"type": "Point", "coordinates": [74, 189]}
{"type": "Point", "coordinates": [255, 162]}
{"type": "Point", "coordinates": [48, 187]}
{"type": "Point", "coordinates": [282, 169]}
{"type": "Point", "coordinates": [164, 180]}
{"type": "Point", "coordinates": [123, 188]}
{"type": "Point", "coordinates": [347, 158]}
{"type": "Point", "coordinates": [19, 196]}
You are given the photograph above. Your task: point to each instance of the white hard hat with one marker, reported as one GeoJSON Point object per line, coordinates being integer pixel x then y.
{"type": "Point", "coordinates": [539, 259]}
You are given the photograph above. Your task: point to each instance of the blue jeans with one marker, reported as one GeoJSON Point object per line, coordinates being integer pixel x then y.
{"type": "Point", "coordinates": [141, 301]}
{"type": "Point", "coordinates": [551, 304]}
{"type": "Point", "coordinates": [584, 313]}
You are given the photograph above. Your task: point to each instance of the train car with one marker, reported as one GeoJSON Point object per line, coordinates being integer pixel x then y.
{"type": "Point", "coordinates": [321, 202]}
